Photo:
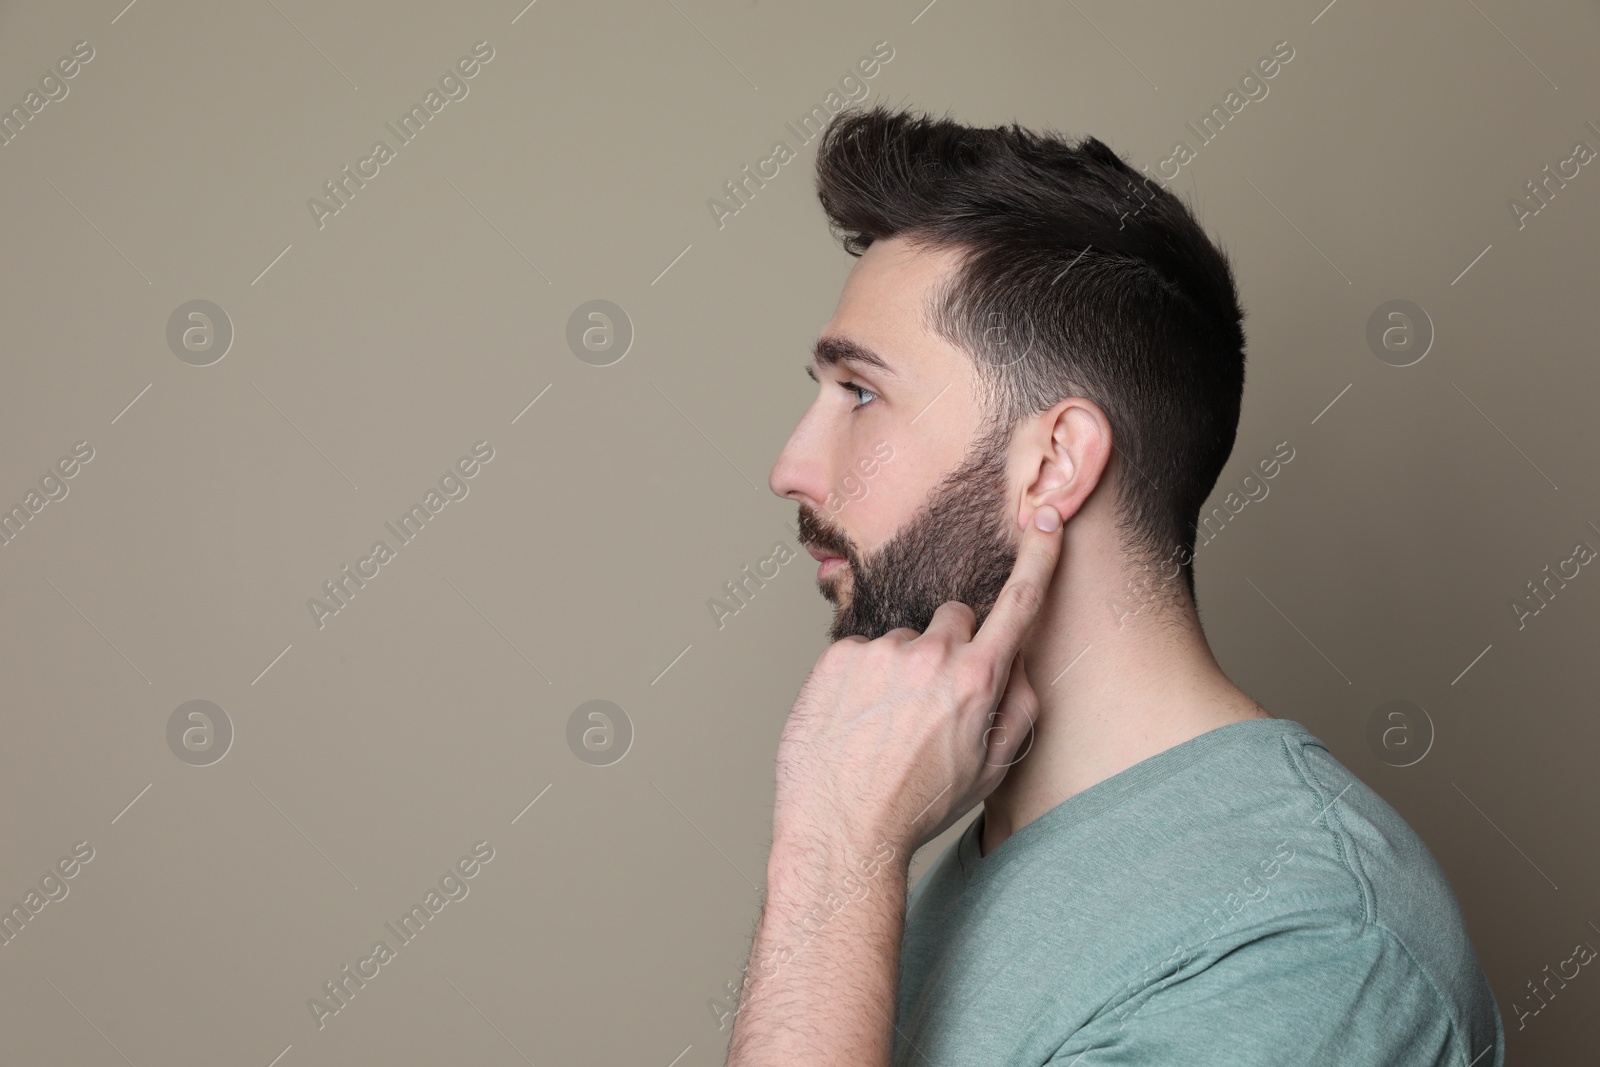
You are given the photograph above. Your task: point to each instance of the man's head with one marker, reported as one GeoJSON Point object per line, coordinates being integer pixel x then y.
{"type": "Point", "coordinates": [1028, 317]}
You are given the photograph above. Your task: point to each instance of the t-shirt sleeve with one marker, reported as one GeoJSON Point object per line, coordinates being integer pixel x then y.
{"type": "Point", "coordinates": [1342, 995]}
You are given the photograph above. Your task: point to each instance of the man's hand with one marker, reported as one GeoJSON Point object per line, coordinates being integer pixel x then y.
{"type": "Point", "coordinates": [889, 743]}
{"type": "Point", "coordinates": [894, 739]}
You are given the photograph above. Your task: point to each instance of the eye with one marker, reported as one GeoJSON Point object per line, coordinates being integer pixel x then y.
{"type": "Point", "coordinates": [863, 395]}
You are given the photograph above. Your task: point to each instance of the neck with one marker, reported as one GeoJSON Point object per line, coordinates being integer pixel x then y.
{"type": "Point", "coordinates": [1119, 677]}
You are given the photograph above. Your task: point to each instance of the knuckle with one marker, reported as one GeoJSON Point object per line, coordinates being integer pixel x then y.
{"type": "Point", "coordinates": [838, 654]}
{"type": "Point", "coordinates": [959, 611]}
{"type": "Point", "coordinates": [973, 677]}
{"type": "Point", "coordinates": [1026, 596]}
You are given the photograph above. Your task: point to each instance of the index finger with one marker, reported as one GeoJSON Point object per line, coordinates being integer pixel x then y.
{"type": "Point", "coordinates": [1019, 602]}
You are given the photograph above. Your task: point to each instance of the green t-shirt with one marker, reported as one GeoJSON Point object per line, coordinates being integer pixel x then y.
{"type": "Point", "coordinates": [1240, 899]}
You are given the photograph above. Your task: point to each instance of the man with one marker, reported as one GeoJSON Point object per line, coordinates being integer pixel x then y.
{"type": "Point", "coordinates": [1162, 873]}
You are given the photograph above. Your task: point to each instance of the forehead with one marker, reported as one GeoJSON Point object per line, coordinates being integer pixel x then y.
{"type": "Point", "coordinates": [882, 307]}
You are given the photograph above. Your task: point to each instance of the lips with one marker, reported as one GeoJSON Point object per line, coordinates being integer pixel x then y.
{"type": "Point", "coordinates": [827, 562]}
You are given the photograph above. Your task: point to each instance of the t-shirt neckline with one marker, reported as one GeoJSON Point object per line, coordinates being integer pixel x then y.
{"type": "Point", "coordinates": [1110, 792]}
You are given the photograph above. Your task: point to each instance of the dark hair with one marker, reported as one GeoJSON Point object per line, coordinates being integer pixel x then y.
{"type": "Point", "coordinates": [1079, 277]}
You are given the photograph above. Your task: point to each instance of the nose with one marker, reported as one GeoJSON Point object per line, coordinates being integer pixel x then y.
{"type": "Point", "coordinates": [800, 473]}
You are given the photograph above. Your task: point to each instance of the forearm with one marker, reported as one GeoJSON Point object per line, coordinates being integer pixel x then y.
{"type": "Point", "coordinates": [825, 963]}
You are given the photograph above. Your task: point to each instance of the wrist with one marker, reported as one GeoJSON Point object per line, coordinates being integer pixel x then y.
{"type": "Point", "coordinates": [810, 872]}
{"type": "Point", "coordinates": [833, 839]}
{"type": "Point", "coordinates": [832, 908]}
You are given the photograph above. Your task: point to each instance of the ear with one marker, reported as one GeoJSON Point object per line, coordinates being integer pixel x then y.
{"type": "Point", "coordinates": [1066, 450]}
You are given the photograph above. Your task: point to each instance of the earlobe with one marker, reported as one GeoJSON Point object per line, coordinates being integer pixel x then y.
{"type": "Point", "coordinates": [1073, 449]}
{"type": "Point", "coordinates": [1053, 487]}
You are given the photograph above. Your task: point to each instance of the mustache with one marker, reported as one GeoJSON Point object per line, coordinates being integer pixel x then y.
{"type": "Point", "coordinates": [817, 532]}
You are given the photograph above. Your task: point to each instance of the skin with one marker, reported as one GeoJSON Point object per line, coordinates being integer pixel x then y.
{"type": "Point", "coordinates": [892, 741]}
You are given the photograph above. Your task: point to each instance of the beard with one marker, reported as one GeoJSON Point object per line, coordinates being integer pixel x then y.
{"type": "Point", "coordinates": [958, 546]}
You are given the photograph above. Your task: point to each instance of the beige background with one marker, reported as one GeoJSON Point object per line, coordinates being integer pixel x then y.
{"type": "Point", "coordinates": [373, 352]}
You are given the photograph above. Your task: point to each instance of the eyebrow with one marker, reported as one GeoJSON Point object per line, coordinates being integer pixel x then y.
{"type": "Point", "coordinates": [829, 351]}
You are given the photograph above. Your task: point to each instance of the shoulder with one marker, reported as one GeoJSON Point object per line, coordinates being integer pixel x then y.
{"type": "Point", "coordinates": [1390, 877]}
{"type": "Point", "coordinates": [1316, 989]}
{"type": "Point", "coordinates": [1237, 896]}
{"type": "Point", "coordinates": [1338, 934]}
{"type": "Point", "coordinates": [1281, 870]}
{"type": "Point", "coordinates": [1370, 893]}
{"type": "Point", "coordinates": [1348, 845]}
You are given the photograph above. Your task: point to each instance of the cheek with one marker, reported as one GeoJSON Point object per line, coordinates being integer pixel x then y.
{"type": "Point", "coordinates": [925, 452]}
{"type": "Point", "coordinates": [896, 494]}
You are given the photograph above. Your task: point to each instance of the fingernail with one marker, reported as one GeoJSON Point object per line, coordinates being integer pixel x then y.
{"type": "Point", "coordinates": [1047, 519]}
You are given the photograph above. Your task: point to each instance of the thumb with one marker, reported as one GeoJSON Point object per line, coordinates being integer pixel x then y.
{"type": "Point", "coordinates": [1010, 732]}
